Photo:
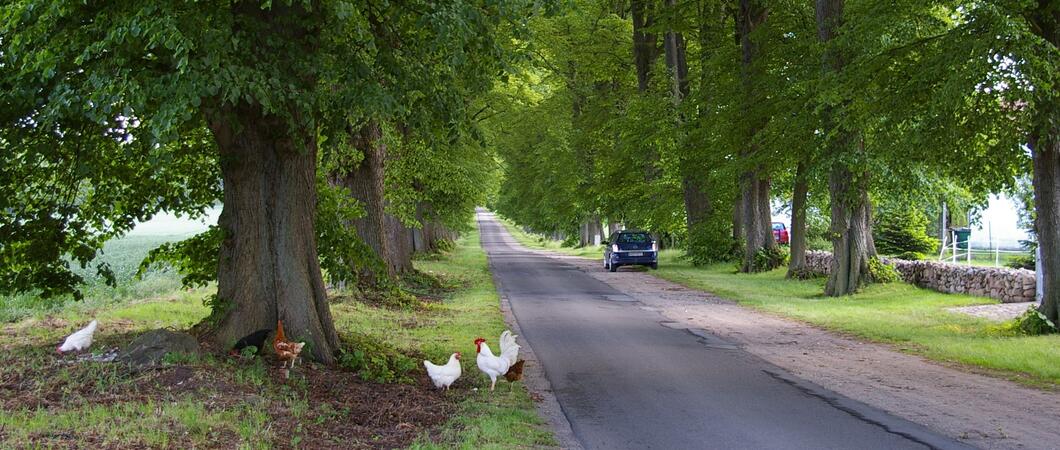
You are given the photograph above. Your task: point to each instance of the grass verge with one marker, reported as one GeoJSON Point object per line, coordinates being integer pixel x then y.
{"type": "Point", "coordinates": [503, 419]}
{"type": "Point", "coordinates": [912, 319]}
{"type": "Point", "coordinates": [225, 402]}
{"type": "Point", "coordinates": [544, 243]}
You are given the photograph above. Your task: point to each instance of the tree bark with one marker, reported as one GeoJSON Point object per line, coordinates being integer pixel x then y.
{"type": "Point", "coordinates": [697, 203]}
{"type": "Point", "coordinates": [755, 182]}
{"type": "Point", "coordinates": [757, 222]}
{"type": "Point", "coordinates": [589, 230]}
{"type": "Point", "coordinates": [676, 61]}
{"type": "Point", "coordinates": [1045, 153]}
{"type": "Point", "coordinates": [645, 43]}
{"type": "Point", "coordinates": [737, 218]}
{"type": "Point", "coordinates": [399, 239]}
{"type": "Point", "coordinates": [797, 234]}
{"type": "Point", "coordinates": [852, 245]}
{"type": "Point", "coordinates": [268, 268]}
{"type": "Point", "coordinates": [366, 184]}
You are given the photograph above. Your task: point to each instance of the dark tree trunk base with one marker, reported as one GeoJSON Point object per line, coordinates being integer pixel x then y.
{"type": "Point", "coordinates": [797, 234]}
{"type": "Point", "coordinates": [268, 268]}
{"type": "Point", "coordinates": [852, 245]}
{"type": "Point", "coordinates": [1046, 156]}
{"type": "Point", "coordinates": [757, 225]}
{"type": "Point", "coordinates": [366, 184]}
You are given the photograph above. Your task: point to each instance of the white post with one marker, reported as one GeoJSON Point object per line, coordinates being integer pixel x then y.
{"type": "Point", "coordinates": [1038, 275]}
{"type": "Point", "coordinates": [942, 225]}
{"type": "Point", "coordinates": [997, 255]}
{"type": "Point", "coordinates": [968, 248]}
{"type": "Point", "coordinates": [953, 258]}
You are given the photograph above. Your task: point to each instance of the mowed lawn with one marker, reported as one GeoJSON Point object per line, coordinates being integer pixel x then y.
{"type": "Point", "coordinates": [912, 319]}
{"type": "Point", "coordinates": [218, 401]}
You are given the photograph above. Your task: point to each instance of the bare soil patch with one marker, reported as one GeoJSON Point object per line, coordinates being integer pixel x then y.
{"type": "Point", "coordinates": [316, 407]}
{"type": "Point", "coordinates": [999, 312]}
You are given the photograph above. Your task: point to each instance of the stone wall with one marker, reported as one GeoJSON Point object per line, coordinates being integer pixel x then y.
{"type": "Point", "coordinates": [1007, 285]}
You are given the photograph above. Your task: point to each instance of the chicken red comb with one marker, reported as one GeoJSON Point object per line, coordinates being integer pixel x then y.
{"type": "Point", "coordinates": [478, 340]}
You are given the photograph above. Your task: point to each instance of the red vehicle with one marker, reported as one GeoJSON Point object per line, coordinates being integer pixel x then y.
{"type": "Point", "coordinates": [780, 233]}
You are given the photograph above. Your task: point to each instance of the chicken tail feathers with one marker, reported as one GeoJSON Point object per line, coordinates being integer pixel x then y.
{"type": "Point", "coordinates": [279, 332]}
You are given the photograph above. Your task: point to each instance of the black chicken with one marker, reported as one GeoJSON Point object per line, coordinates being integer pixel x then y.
{"type": "Point", "coordinates": [257, 339]}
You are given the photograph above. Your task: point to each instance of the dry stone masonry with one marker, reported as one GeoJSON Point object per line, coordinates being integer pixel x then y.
{"type": "Point", "coordinates": [1004, 284]}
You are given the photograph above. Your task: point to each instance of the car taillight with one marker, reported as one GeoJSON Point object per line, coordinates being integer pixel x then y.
{"type": "Point", "coordinates": [614, 247]}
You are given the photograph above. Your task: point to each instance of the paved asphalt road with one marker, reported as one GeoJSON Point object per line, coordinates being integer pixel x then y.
{"type": "Point", "coordinates": [625, 380]}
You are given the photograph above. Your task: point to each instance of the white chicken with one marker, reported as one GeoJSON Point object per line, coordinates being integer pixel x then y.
{"type": "Point", "coordinates": [509, 349]}
{"type": "Point", "coordinates": [492, 366]}
{"type": "Point", "coordinates": [444, 376]}
{"type": "Point", "coordinates": [80, 340]}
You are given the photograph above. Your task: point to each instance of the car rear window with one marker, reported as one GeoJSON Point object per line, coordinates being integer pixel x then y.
{"type": "Point", "coordinates": [778, 226]}
{"type": "Point", "coordinates": [633, 238]}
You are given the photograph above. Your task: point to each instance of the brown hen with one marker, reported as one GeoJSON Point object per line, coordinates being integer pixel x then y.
{"type": "Point", "coordinates": [515, 373]}
{"type": "Point", "coordinates": [285, 350]}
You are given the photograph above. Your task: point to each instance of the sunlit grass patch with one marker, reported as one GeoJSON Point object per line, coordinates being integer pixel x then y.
{"type": "Point", "coordinates": [505, 418]}
{"type": "Point", "coordinates": [544, 243]}
{"type": "Point", "coordinates": [154, 424]}
{"type": "Point", "coordinates": [216, 401]}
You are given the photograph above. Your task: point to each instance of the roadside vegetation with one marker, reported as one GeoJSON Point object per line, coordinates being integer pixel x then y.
{"type": "Point", "coordinates": [912, 319]}
{"type": "Point", "coordinates": [379, 399]}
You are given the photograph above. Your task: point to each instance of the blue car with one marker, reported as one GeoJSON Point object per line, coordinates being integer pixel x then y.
{"type": "Point", "coordinates": [630, 248]}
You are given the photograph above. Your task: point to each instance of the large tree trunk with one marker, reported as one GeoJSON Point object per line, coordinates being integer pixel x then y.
{"type": "Point", "coordinates": [757, 222]}
{"type": "Point", "coordinates": [797, 233]}
{"type": "Point", "coordinates": [645, 42]}
{"type": "Point", "coordinates": [755, 183]}
{"type": "Point", "coordinates": [697, 203]}
{"type": "Point", "coordinates": [365, 183]}
{"type": "Point", "coordinates": [1046, 155]}
{"type": "Point", "coordinates": [401, 246]}
{"type": "Point", "coordinates": [589, 230]}
{"type": "Point", "coordinates": [737, 218]}
{"type": "Point", "coordinates": [268, 268]}
{"type": "Point", "coordinates": [852, 245]}
{"type": "Point", "coordinates": [676, 61]}
{"type": "Point", "coordinates": [1045, 151]}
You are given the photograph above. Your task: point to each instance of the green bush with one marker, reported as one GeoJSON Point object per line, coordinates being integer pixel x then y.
{"type": "Point", "coordinates": [900, 231]}
{"type": "Point", "coordinates": [912, 256]}
{"type": "Point", "coordinates": [882, 272]}
{"type": "Point", "coordinates": [710, 242]}
{"type": "Point", "coordinates": [770, 258]}
{"type": "Point", "coordinates": [1022, 262]}
{"type": "Point", "coordinates": [375, 360]}
{"type": "Point", "coordinates": [818, 243]}
{"type": "Point", "coordinates": [1033, 323]}
{"type": "Point", "coordinates": [445, 245]}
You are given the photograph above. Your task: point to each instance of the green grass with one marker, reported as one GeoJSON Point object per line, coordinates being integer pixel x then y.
{"type": "Point", "coordinates": [124, 256]}
{"type": "Point", "coordinates": [912, 319]}
{"type": "Point", "coordinates": [504, 419]}
{"type": "Point", "coordinates": [147, 424]}
{"type": "Point", "coordinates": [544, 243]}
{"type": "Point", "coordinates": [236, 403]}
